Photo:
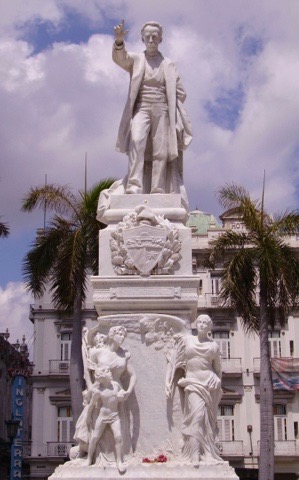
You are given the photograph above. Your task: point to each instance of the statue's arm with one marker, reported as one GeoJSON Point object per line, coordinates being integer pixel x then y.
{"type": "Point", "coordinates": [124, 394]}
{"type": "Point", "coordinates": [85, 357]}
{"type": "Point", "coordinates": [119, 53]}
{"type": "Point", "coordinates": [217, 362]}
{"type": "Point", "coordinates": [122, 58]}
{"type": "Point", "coordinates": [132, 375]}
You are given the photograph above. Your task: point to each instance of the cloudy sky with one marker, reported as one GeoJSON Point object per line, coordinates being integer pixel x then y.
{"type": "Point", "coordinates": [61, 96]}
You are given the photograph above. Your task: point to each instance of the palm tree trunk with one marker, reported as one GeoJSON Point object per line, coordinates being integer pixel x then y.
{"type": "Point", "coordinates": [266, 463]}
{"type": "Point", "coordinates": [76, 363]}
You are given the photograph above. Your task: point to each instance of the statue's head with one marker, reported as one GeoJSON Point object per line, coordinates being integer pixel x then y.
{"type": "Point", "coordinates": [204, 322]}
{"type": "Point", "coordinates": [99, 339]}
{"type": "Point", "coordinates": [117, 334]}
{"type": "Point", "coordinates": [103, 373]}
{"type": "Point", "coordinates": [151, 35]}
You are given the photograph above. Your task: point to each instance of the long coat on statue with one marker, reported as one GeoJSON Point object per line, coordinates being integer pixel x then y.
{"type": "Point", "coordinates": [180, 133]}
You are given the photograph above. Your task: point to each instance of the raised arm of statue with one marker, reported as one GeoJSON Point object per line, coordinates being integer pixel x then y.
{"type": "Point", "coordinates": [120, 33]}
{"type": "Point", "coordinates": [85, 355]}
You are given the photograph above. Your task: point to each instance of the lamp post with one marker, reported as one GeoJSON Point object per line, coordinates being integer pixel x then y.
{"type": "Point", "coordinates": [12, 430]}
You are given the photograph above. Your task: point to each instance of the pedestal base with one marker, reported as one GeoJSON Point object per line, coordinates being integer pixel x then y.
{"type": "Point", "coordinates": [158, 471]}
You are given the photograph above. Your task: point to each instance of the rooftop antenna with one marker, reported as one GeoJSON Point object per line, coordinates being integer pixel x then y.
{"type": "Point", "coordinates": [85, 175]}
{"type": "Point", "coordinates": [45, 205]}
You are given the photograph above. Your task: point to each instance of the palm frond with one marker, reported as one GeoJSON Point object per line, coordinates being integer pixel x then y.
{"type": "Point", "coordinates": [258, 257]}
{"type": "Point", "coordinates": [229, 240]}
{"type": "Point", "coordinates": [236, 198]}
{"type": "Point", "coordinates": [42, 257]}
{"type": "Point", "coordinates": [286, 224]}
{"type": "Point", "coordinates": [239, 281]}
{"type": "Point", "coordinates": [68, 248]}
{"type": "Point", "coordinates": [231, 196]}
{"type": "Point", "coordinates": [4, 229]}
{"type": "Point", "coordinates": [58, 198]}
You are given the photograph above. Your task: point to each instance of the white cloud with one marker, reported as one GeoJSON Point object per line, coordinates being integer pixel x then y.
{"type": "Point", "coordinates": [14, 312]}
{"type": "Point", "coordinates": [68, 99]}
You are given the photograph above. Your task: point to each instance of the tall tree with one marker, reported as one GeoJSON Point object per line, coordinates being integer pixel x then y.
{"type": "Point", "coordinates": [62, 256]}
{"type": "Point", "coordinates": [260, 279]}
{"type": "Point", "coordinates": [4, 229]}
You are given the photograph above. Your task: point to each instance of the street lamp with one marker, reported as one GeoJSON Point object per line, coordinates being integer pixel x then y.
{"type": "Point", "coordinates": [12, 428]}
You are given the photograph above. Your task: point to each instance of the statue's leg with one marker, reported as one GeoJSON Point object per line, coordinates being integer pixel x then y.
{"type": "Point", "coordinates": [116, 429]}
{"type": "Point", "coordinates": [95, 437]}
{"type": "Point", "coordinates": [194, 427]}
{"type": "Point", "coordinates": [140, 128]}
{"type": "Point", "coordinates": [159, 135]}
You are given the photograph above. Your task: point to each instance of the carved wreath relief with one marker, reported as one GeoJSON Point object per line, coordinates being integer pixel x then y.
{"type": "Point", "coordinates": [145, 243]}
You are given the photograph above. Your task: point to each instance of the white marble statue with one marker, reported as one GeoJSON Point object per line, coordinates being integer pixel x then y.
{"type": "Point", "coordinates": [105, 396]}
{"type": "Point", "coordinates": [155, 126]}
{"type": "Point", "coordinates": [105, 399]}
{"type": "Point", "coordinates": [199, 357]}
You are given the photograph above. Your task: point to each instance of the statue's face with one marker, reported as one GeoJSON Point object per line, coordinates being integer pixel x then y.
{"type": "Point", "coordinates": [151, 38]}
{"type": "Point", "coordinates": [203, 326]}
{"type": "Point", "coordinates": [119, 337]}
{"type": "Point", "coordinates": [99, 339]}
{"type": "Point", "coordinates": [104, 374]}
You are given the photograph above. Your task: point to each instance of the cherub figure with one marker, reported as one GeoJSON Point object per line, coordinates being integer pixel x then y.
{"type": "Point", "coordinates": [105, 398]}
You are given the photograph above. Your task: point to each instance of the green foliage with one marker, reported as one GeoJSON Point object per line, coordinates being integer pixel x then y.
{"type": "Point", "coordinates": [4, 229]}
{"type": "Point", "coordinates": [258, 255]}
{"type": "Point", "coordinates": [67, 249]}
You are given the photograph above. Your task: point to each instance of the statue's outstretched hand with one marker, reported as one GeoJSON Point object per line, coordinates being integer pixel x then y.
{"type": "Point", "coordinates": [122, 395]}
{"type": "Point", "coordinates": [120, 33]}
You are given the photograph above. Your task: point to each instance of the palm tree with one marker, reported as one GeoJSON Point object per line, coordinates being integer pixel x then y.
{"type": "Point", "coordinates": [260, 280]}
{"type": "Point", "coordinates": [4, 230]}
{"type": "Point", "coordinates": [62, 256]}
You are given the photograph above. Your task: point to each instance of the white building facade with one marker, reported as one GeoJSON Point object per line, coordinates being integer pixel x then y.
{"type": "Point", "coordinates": [238, 415]}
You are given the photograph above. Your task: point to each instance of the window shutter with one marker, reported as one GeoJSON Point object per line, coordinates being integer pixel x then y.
{"type": "Point", "coordinates": [281, 428]}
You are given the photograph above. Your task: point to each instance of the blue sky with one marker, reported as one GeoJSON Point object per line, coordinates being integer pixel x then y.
{"type": "Point", "coordinates": [61, 96]}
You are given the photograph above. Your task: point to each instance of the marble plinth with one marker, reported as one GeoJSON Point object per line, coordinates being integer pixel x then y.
{"type": "Point", "coordinates": [169, 205]}
{"type": "Point", "coordinates": [164, 294]}
{"type": "Point", "coordinates": [221, 471]}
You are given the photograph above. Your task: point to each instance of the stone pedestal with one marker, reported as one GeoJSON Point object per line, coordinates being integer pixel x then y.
{"type": "Point", "coordinates": [151, 471]}
{"type": "Point", "coordinates": [145, 284]}
{"type": "Point", "coordinates": [176, 292]}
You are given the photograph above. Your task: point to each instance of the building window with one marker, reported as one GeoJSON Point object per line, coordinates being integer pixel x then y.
{"type": "Point", "coordinates": [225, 423]}
{"type": "Point", "coordinates": [222, 339]}
{"type": "Point", "coordinates": [65, 428]}
{"type": "Point", "coordinates": [216, 285]}
{"type": "Point", "coordinates": [280, 422]}
{"type": "Point", "coordinates": [274, 343]}
{"type": "Point", "coordinates": [291, 348]}
{"type": "Point", "coordinates": [65, 346]}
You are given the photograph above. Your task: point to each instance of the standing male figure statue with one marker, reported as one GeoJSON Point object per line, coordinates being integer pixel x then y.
{"type": "Point", "coordinates": [154, 124]}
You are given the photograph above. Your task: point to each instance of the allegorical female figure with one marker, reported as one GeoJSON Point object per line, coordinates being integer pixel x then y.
{"type": "Point", "coordinates": [104, 351]}
{"type": "Point", "coordinates": [199, 357]}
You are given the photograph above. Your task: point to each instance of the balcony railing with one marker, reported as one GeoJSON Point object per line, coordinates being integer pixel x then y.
{"type": "Point", "coordinates": [26, 449]}
{"type": "Point", "coordinates": [59, 366]}
{"type": "Point", "coordinates": [231, 366]}
{"type": "Point", "coordinates": [283, 448]}
{"type": "Point", "coordinates": [59, 449]}
{"type": "Point", "coordinates": [256, 365]}
{"type": "Point", "coordinates": [212, 300]}
{"type": "Point", "coordinates": [231, 448]}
